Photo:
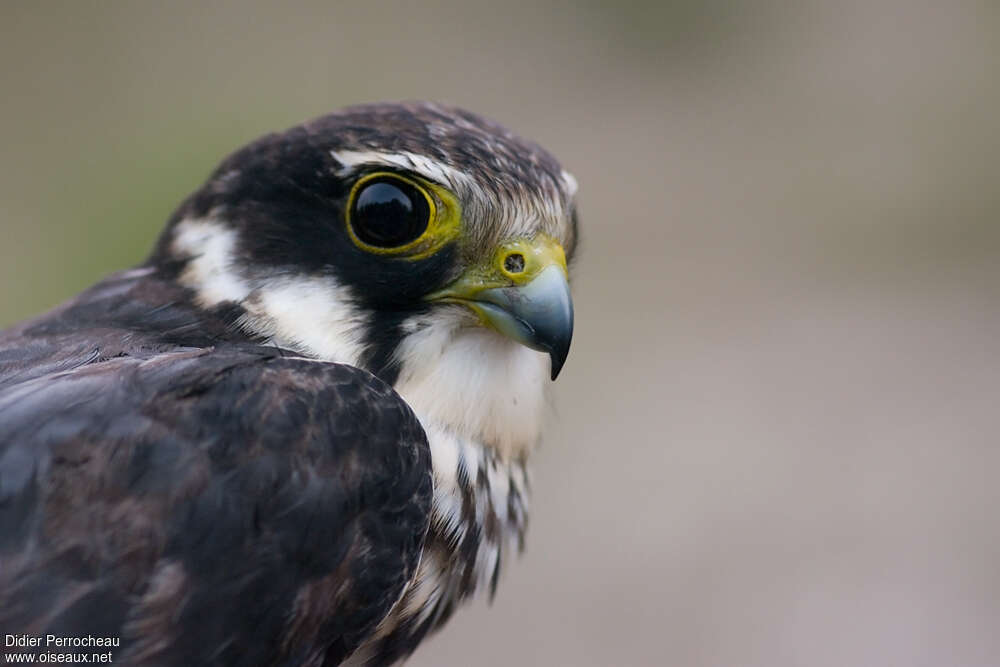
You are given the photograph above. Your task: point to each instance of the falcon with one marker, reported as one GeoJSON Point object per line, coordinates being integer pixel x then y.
{"type": "Point", "coordinates": [298, 433]}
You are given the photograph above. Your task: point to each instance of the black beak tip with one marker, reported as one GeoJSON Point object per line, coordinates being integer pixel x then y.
{"type": "Point", "coordinates": [556, 366]}
{"type": "Point", "coordinates": [557, 357]}
{"type": "Point", "coordinates": [559, 340]}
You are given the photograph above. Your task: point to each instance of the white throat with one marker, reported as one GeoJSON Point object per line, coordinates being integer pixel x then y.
{"type": "Point", "coordinates": [482, 386]}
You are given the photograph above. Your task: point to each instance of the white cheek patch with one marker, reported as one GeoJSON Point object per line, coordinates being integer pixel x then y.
{"type": "Point", "coordinates": [314, 316]}
{"type": "Point", "coordinates": [209, 272]}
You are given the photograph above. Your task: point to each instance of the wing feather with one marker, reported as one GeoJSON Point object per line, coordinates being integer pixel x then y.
{"type": "Point", "coordinates": [223, 506]}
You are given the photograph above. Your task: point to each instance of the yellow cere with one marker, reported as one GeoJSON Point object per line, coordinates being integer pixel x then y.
{"type": "Point", "coordinates": [444, 226]}
{"type": "Point", "coordinates": [538, 253]}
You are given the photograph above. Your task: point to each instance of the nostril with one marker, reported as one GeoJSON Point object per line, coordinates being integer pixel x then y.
{"type": "Point", "coordinates": [514, 263]}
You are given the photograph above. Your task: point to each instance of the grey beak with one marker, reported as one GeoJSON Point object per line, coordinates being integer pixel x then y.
{"type": "Point", "coordinates": [538, 314]}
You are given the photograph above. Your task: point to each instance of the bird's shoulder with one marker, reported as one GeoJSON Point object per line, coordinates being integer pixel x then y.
{"type": "Point", "coordinates": [139, 313]}
{"type": "Point", "coordinates": [147, 496]}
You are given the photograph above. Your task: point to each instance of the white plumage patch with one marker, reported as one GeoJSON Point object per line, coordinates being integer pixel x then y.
{"type": "Point", "coordinates": [210, 271]}
{"type": "Point", "coordinates": [570, 182]}
{"type": "Point", "coordinates": [432, 170]}
{"type": "Point", "coordinates": [485, 387]}
{"type": "Point", "coordinates": [446, 451]}
{"type": "Point", "coordinates": [313, 316]}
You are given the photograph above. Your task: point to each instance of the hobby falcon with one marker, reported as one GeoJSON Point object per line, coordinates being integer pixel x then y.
{"type": "Point", "coordinates": [298, 433]}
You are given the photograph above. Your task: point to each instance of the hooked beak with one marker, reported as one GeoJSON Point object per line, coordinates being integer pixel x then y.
{"type": "Point", "coordinates": [523, 292]}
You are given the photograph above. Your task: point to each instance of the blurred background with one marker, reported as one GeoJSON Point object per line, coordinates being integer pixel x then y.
{"type": "Point", "coordinates": [776, 436]}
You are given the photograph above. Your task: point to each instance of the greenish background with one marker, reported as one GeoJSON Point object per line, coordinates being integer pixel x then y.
{"type": "Point", "coordinates": [775, 440]}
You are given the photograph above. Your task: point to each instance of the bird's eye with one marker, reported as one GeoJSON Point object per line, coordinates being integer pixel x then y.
{"type": "Point", "coordinates": [387, 211]}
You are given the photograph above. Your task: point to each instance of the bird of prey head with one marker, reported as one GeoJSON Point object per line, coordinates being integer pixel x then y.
{"type": "Point", "coordinates": [423, 243]}
{"type": "Point", "coordinates": [357, 319]}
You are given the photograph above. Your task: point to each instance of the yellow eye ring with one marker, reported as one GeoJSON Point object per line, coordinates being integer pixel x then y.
{"type": "Point", "coordinates": [396, 205]}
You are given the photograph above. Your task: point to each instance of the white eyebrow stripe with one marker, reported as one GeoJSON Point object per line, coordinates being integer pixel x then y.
{"type": "Point", "coordinates": [510, 214]}
{"type": "Point", "coordinates": [430, 169]}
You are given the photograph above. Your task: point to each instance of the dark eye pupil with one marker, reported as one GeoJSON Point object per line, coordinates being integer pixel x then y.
{"type": "Point", "coordinates": [389, 213]}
